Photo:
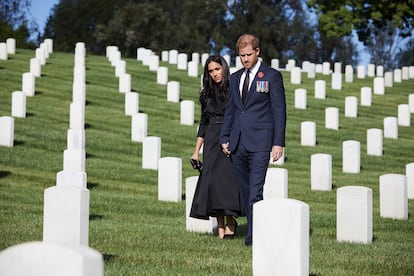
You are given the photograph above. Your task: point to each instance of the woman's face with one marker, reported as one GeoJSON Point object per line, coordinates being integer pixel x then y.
{"type": "Point", "coordinates": [215, 71]}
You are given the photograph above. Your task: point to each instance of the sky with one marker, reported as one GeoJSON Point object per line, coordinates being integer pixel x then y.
{"type": "Point", "coordinates": [40, 10]}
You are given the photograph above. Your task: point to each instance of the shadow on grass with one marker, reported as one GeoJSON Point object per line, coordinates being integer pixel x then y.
{"type": "Point", "coordinates": [108, 257]}
{"type": "Point", "coordinates": [91, 185]}
{"type": "Point", "coordinates": [18, 143]}
{"type": "Point", "coordinates": [4, 174]}
{"type": "Point", "coordinates": [95, 217]}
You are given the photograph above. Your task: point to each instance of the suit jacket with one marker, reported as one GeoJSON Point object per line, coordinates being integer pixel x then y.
{"type": "Point", "coordinates": [262, 117]}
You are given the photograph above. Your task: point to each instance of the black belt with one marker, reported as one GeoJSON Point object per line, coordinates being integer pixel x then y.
{"type": "Point", "coordinates": [215, 120]}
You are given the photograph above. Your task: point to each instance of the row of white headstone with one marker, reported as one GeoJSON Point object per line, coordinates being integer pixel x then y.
{"type": "Point", "coordinates": [64, 249]}
{"type": "Point", "coordinates": [18, 104]}
{"type": "Point", "coordinates": [372, 70]}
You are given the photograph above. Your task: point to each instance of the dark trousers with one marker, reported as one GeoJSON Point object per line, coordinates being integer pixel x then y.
{"type": "Point", "coordinates": [250, 168]}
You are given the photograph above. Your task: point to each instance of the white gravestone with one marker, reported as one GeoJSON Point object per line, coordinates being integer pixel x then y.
{"type": "Point", "coordinates": [366, 96]}
{"type": "Point", "coordinates": [131, 103]}
{"type": "Point", "coordinates": [164, 56]}
{"type": "Point", "coordinates": [361, 72]}
{"type": "Point", "coordinates": [280, 237]}
{"type": "Point", "coordinates": [308, 133]}
{"type": "Point", "coordinates": [194, 224]}
{"type": "Point", "coordinates": [154, 62]}
{"type": "Point", "coordinates": [6, 131]}
{"type": "Point", "coordinates": [332, 118]}
{"type": "Point", "coordinates": [351, 156]}
{"type": "Point", "coordinates": [354, 214]}
{"type": "Point", "coordinates": [393, 196]}
{"type": "Point", "coordinates": [192, 69]}
{"type": "Point", "coordinates": [76, 139]}
{"type": "Point", "coordinates": [409, 172]}
{"type": "Point", "coordinates": [28, 84]}
{"type": "Point", "coordinates": [411, 72]}
{"type": "Point", "coordinates": [300, 98]}
{"type": "Point", "coordinates": [151, 152]}
{"type": "Point", "coordinates": [11, 46]}
{"type": "Point", "coordinates": [388, 79]}
{"type": "Point", "coordinates": [195, 57]}
{"type": "Point", "coordinates": [318, 68]}
{"type": "Point", "coordinates": [380, 71]}
{"type": "Point", "coordinates": [173, 91]}
{"type": "Point", "coordinates": [204, 57]}
{"type": "Point", "coordinates": [326, 68]}
{"type": "Point", "coordinates": [49, 45]}
{"type": "Point", "coordinates": [321, 172]}
{"type": "Point", "coordinates": [391, 127]}
{"type": "Point", "coordinates": [35, 67]}
{"type": "Point", "coordinates": [18, 108]}
{"type": "Point", "coordinates": [120, 68]}
{"type": "Point", "coordinates": [305, 66]}
{"type": "Point", "coordinates": [338, 67]}
{"type": "Point", "coordinates": [404, 116]}
{"type": "Point", "coordinates": [77, 116]}
{"type": "Point", "coordinates": [404, 72]}
{"type": "Point", "coordinates": [79, 93]}
{"type": "Point", "coordinates": [336, 81]}
{"type": "Point", "coordinates": [139, 127]}
{"type": "Point", "coordinates": [173, 56]}
{"type": "Point", "coordinates": [320, 89]}
{"type": "Point", "coordinates": [276, 183]}
{"type": "Point", "coordinates": [411, 102]}
{"type": "Point", "coordinates": [125, 83]}
{"type": "Point", "coordinates": [74, 160]}
{"type": "Point", "coordinates": [66, 215]}
{"type": "Point", "coordinates": [40, 55]}
{"type": "Point", "coordinates": [295, 75]}
{"type": "Point", "coordinates": [397, 75]}
{"type": "Point", "coordinates": [187, 112]}
{"type": "Point", "coordinates": [274, 63]}
{"type": "Point", "coordinates": [379, 86]}
{"type": "Point", "coordinates": [374, 141]}
{"type": "Point", "coordinates": [311, 71]}
{"type": "Point", "coordinates": [182, 61]}
{"type": "Point", "coordinates": [50, 259]}
{"type": "Point", "coordinates": [79, 74]}
{"type": "Point", "coordinates": [71, 179]}
{"type": "Point", "coordinates": [3, 51]}
{"type": "Point", "coordinates": [170, 179]}
{"type": "Point", "coordinates": [290, 64]}
{"type": "Point", "coordinates": [371, 70]}
{"type": "Point", "coordinates": [349, 73]}
{"type": "Point", "coordinates": [162, 75]}
{"type": "Point", "coordinates": [351, 107]}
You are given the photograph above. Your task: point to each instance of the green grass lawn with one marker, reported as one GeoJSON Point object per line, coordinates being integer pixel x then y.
{"type": "Point", "coordinates": [139, 235]}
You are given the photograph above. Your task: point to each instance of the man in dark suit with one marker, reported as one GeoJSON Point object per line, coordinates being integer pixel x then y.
{"type": "Point", "coordinates": [254, 123]}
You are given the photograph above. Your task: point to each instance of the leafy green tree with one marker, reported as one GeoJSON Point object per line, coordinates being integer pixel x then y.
{"type": "Point", "coordinates": [280, 25]}
{"type": "Point", "coordinates": [380, 25]}
{"type": "Point", "coordinates": [14, 22]}
{"type": "Point", "coordinates": [74, 21]}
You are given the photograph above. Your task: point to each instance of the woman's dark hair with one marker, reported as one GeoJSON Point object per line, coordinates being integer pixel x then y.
{"type": "Point", "coordinates": [209, 86]}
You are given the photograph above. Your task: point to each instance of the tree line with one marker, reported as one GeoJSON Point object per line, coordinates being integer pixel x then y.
{"type": "Point", "coordinates": [315, 30]}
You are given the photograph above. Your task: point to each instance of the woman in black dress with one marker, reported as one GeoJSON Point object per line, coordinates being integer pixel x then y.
{"type": "Point", "coordinates": [216, 193]}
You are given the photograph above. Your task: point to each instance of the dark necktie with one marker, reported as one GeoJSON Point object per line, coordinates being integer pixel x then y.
{"type": "Point", "coordinates": [245, 89]}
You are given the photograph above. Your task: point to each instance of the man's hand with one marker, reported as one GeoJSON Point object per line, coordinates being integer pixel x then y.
{"type": "Point", "coordinates": [225, 149]}
{"type": "Point", "coordinates": [277, 152]}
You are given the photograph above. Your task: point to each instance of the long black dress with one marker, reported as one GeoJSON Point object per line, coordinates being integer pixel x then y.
{"type": "Point", "coordinates": [216, 189]}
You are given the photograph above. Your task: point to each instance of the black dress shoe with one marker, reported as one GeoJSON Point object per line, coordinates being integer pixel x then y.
{"type": "Point", "coordinates": [248, 242]}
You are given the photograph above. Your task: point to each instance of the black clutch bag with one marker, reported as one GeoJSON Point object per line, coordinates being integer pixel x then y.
{"type": "Point", "coordinates": [197, 165]}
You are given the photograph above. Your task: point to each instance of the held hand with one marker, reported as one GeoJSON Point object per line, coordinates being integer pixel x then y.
{"type": "Point", "coordinates": [225, 149]}
{"type": "Point", "coordinates": [277, 152]}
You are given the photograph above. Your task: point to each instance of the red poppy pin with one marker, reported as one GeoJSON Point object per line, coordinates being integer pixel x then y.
{"type": "Point", "coordinates": [260, 74]}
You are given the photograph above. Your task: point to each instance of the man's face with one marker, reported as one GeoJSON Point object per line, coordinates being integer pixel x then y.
{"type": "Point", "coordinates": [249, 56]}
